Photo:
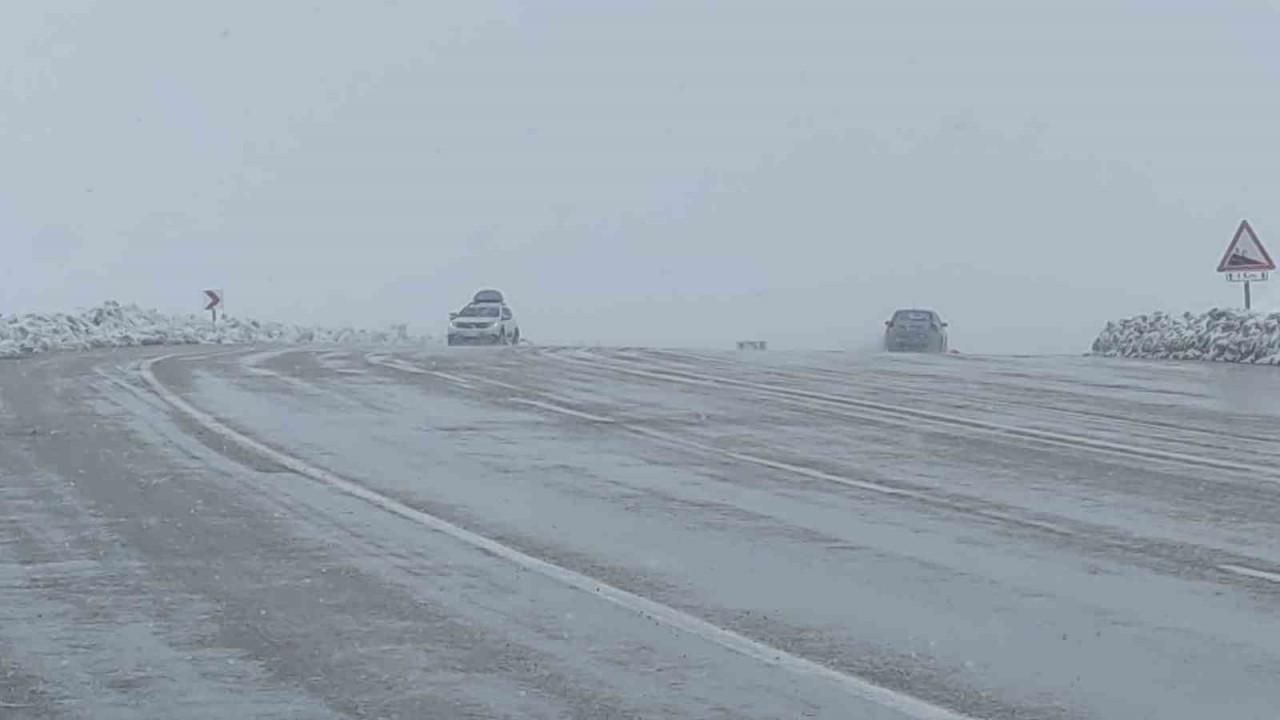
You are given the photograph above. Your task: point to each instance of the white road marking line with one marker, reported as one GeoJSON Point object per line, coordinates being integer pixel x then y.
{"type": "Point", "coordinates": [776, 464]}
{"type": "Point", "coordinates": [1250, 572]}
{"type": "Point", "coordinates": [467, 381]}
{"type": "Point", "coordinates": [728, 639]}
{"type": "Point", "coordinates": [563, 410]}
{"type": "Point", "coordinates": [829, 477]}
{"type": "Point", "coordinates": [250, 364]}
{"type": "Point", "coordinates": [253, 359]}
{"type": "Point", "coordinates": [403, 366]}
{"type": "Point", "coordinates": [800, 470]}
{"type": "Point", "coordinates": [474, 379]}
{"type": "Point", "coordinates": [451, 378]}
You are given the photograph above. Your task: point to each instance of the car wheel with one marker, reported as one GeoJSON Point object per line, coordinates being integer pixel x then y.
{"type": "Point", "coordinates": [502, 336]}
{"type": "Point", "coordinates": [515, 339]}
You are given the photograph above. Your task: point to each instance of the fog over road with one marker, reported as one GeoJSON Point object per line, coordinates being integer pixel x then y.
{"type": "Point", "coordinates": [542, 532]}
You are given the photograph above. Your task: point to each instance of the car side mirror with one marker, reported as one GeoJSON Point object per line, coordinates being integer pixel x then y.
{"type": "Point", "coordinates": [453, 316]}
{"type": "Point", "coordinates": [946, 324]}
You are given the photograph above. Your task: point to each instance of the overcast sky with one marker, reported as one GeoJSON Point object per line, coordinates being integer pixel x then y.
{"type": "Point", "coordinates": [675, 172]}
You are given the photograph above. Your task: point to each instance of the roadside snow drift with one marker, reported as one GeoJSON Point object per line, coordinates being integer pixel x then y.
{"type": "Point", "coordinates": [1218, 335]}
{"type": "Point", "coordinates": [113, 325]}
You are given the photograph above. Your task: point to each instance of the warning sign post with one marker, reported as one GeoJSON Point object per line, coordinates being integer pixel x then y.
{"type": "Point", "coordinates": [214, 298]}
{"type": "Point", "coordinates": [1246, 260]}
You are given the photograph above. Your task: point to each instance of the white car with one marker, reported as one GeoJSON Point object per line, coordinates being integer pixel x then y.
{"type": "Point", "coordinates": [486, 320]}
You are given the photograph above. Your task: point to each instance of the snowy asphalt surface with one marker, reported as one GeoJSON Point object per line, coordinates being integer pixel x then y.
{"type": "Point", "coordinates": [548, 533]}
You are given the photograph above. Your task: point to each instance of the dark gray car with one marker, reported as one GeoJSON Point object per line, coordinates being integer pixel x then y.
{"type": "Point", "coordinates": [915, 331]}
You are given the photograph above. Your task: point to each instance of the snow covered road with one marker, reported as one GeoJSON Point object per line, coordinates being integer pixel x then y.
{"type": "Point", "coordinates": [556, 532]}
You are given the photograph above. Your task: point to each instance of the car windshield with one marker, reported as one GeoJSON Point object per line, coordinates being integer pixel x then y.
{"type": "Point", "coordinates": [912, 316]}
{"type": "Point", "coordinates": [487, 311]}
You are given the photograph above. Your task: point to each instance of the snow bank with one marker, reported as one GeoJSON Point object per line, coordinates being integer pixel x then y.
{"type": "Point", "coordinates": [114, 325]}
{"type": "Point", "coordinates": [1218, 335]}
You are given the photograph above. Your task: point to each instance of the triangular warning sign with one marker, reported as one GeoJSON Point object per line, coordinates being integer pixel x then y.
{"type": "Point", "coordinates": [1245, 253]}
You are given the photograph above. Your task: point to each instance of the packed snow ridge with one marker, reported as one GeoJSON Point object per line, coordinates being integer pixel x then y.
{"type": "Point", "coordinates": [115, 326]}
{"type": "Point", "coordinates": [1218, 335]}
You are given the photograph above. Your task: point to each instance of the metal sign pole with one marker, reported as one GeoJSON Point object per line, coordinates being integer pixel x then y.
{"type": "Point", "coordinates": [1248, 305]}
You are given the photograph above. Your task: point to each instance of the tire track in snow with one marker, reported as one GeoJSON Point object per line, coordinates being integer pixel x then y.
{"type": "Point", "coordinates": [883, 412]}
{"type": "Point", "coordinates": [1224, 564]}
{"type": "Point", "coordinates": [687, 362]}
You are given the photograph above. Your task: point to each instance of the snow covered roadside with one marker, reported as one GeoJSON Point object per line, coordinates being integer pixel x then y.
{"type": "Point", "coordinates": [1217, 336]}
{"type": "Point", "coordinates": [113, 325]}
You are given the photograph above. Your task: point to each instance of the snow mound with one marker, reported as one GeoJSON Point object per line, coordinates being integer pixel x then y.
{"type": "Point", "coordinates": [113, 325]}
{"type": "Point", "coordinates": [1217, 336]}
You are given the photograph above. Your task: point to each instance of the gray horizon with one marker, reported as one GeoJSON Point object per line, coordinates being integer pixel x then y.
{"type": "Point", "coordinates": [662, 173]}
